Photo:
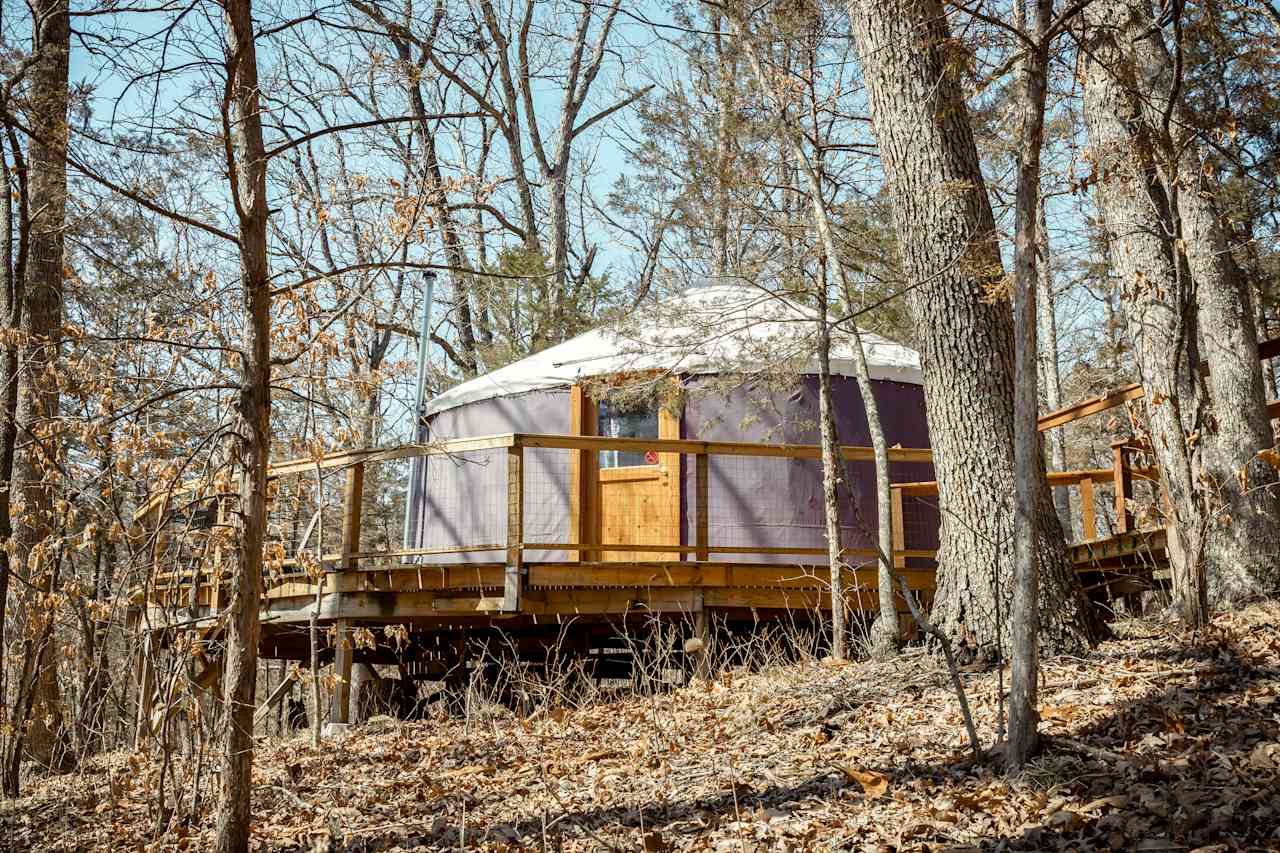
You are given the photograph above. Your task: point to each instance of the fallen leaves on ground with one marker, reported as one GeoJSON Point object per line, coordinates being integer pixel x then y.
{"type": "Point", "coordinates": [1155, 741]}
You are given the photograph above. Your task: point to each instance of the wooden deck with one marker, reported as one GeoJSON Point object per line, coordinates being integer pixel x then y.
{"type": "Point", "coordinates": [430, 588]}
{"type": "Point", "coordinates": [443, 602]}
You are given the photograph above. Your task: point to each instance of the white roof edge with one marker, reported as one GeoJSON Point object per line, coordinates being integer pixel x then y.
{"type": "Point", "coordinates": [661, 346]}
{"type": "Point", "coordinates": [839, 367]}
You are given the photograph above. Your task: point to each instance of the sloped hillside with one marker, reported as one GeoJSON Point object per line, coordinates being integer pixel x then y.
{"type": "Point", "coordinates": [1159, 742]}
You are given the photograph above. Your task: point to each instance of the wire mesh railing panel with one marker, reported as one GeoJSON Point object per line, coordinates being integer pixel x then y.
{"type": "Point", "coordinates": [766, 503]}
{"type": "Point", "coordinates": [921, 524]}
{"type": "Point", "coordinates": [549, 498]}
{"type": "Point", "coordinates": [382, 503]}
{"type": "Point", "coordinates": [460, 502]}
{"type": "Point", "coordinates": [663, 505]}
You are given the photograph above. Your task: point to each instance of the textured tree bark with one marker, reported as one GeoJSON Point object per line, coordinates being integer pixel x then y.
{"type": "Point", "coordinates": [15, 242]}
{"type": "Point", "coordinates": [830, 473]}
{"type": "Point", "coordinates": [252, 430]}
{"type": "Point", "coordinates": [1245, 535]}
{"type": "Point", "coordinates": [1156, 294]}
{"type": "Point", "coordinates": [39, 448]}
{"type": "Point", "coordinates": [1028, 455]}
{"type": "Point", "coordinates": [965, 329]}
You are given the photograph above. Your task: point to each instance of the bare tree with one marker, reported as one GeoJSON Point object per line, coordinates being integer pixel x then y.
{"type": "Point", "coordinates": [508, 93]}
{"type": "Point", "coordinates": [886, 634]}
{"type": "Point", "coordinates": [1049, 369]}
{"type": "Point", "coordinates": [246, 162]}
{"type": "Point", "coordinates": [1156, 206]}
{"type": "Point", "coordinates": [1028, 464]}
{"type": "Point", "coordinates": [36, 531]}
{"type": "Point", "coordinates": [1246, 536]}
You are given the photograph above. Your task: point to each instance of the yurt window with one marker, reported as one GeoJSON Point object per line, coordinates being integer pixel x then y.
{"type": "Point", "coordinates": [638, 422]}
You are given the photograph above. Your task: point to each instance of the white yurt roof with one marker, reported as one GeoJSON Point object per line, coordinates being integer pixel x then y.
{"type": "Point", "coordinates": [713, 328]}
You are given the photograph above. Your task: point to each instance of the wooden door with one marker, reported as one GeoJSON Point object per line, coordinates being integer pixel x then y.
{"type": "Point", "coordinates": [640, 504]}
{"type": "Point", "coordinates": [626, 499]}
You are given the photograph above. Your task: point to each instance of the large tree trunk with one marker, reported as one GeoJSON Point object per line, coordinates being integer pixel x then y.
{"type": "Point", "coordinates": [39, 445]}
{"type": "Point", "coordinates": [1158, 308]}
{"type": "Point", "coordinates": [252, 434]}
{"type": "Point", "coordinates": [1245, 537]}
{"type": "Point", "coordinates": [964, 326]}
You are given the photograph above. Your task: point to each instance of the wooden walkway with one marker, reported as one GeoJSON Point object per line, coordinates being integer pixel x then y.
{"type": "Point", "coordinates": [609, 571]}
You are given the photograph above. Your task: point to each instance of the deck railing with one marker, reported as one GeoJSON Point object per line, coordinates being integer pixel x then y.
{"type": "Point", "coordinates": [524, 474]}
{"type": "Point", "coordinates": [1119, 478]}
{"type": "Point", "coordinates": [526, 470]}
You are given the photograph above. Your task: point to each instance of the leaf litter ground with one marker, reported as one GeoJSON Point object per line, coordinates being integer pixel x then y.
{"type": "Point", "coordinates": [1157, 741]}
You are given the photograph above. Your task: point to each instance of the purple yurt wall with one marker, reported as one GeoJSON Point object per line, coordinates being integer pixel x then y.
{"type": "Point", "coordinates": [773, 502]}
{"type": "Point", "coordinates": [461, 500]}
{"type": "Point", "coordinates": [769, 502]}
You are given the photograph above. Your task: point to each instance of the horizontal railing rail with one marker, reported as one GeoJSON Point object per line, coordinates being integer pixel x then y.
{"type": "Point", "coordinates": [349, 458]}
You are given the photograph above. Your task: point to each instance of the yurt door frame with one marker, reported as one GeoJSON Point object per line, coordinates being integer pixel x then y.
{"type": "Point", "coordinates": [626, 504]}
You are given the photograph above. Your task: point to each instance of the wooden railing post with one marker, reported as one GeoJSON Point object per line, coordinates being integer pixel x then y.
{"type": "Point", "coordinates": [513, 587]}
{"type": "Point", "coordinates": [899, 528]}
{"type": "Point", "coordinates": [352, 498]}
{"type": "Point", "coordinates": [1088, 519]}
{"type": "Point", "coordinates": [584, 474]}
{"type": "Point", "coordinates": [1123, 479]}
{"type": "Point", "coordinates": [702, 504]}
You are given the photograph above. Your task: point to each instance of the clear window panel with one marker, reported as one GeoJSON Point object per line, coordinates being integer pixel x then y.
{"type": "Point", "coordinates": [632, 423]}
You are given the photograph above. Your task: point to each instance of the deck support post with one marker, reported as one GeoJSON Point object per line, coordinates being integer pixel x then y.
{"type": "Point", "coordinates": [340, 708]}
{"type": "Point", "coordinates": [456, 677]}
{"type": "Point", "coordinates": [513, 587]}
{"type": "Point", "coordinates": [702, 632]}
{"type": "Point", "coordinates": [352, 498]}
{"type": "Point", "coordinates": [1123, 476]}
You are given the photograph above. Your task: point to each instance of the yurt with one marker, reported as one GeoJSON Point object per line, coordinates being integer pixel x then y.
{"type": "Point", "coordinates": [722, 362]}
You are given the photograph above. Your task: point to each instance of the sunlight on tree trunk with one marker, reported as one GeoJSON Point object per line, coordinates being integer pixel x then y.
{"type": "Point", "coordinates": [252, 435]}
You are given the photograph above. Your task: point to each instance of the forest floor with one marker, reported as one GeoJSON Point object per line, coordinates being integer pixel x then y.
{"type": "Point", "coordinates": [1158, 741]}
